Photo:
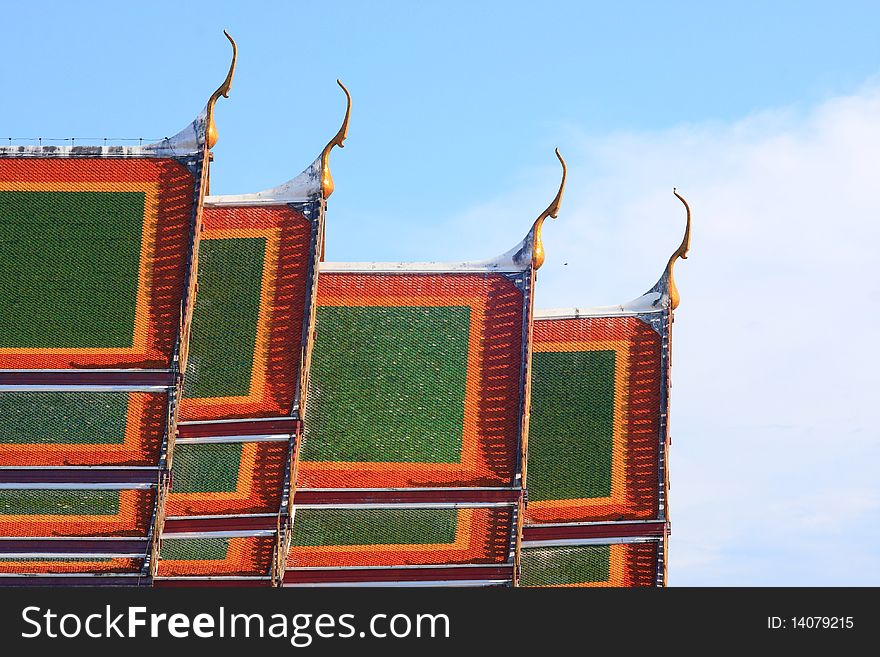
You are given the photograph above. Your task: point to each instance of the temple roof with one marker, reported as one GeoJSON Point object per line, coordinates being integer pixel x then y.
{"type": "Point", "coordinates": [190, 395]}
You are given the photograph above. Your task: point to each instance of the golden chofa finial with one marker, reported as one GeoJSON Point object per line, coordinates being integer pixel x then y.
{"type": "Point", "coordinates": [680, 252]}
{"type": "Point", "coordinates": [551, 211]}
{"type": "Point", "coordinates": [222, 90]}
{"type": "Point", "coordinates": [327, 179]}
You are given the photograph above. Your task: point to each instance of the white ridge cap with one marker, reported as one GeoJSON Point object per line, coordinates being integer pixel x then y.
{"type": "Point", "coordinates": [303, 188]}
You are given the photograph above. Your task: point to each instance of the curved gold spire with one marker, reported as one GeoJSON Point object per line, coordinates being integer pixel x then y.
{"type": "Point", "coordinates": [680, 252]}
{"type": "Point", "coordinates": [327, 179]}
{"type": "Point", "coordinates": [222, 90]}
{"type": "Point", "coordinates": [551, 211]}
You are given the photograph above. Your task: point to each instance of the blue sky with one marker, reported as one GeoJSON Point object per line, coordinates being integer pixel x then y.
{"type": "Point", "coordinates": [765, 115]}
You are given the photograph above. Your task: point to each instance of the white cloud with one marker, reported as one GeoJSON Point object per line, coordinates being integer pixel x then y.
{"type": "Point", "coordinates": [776, 446]}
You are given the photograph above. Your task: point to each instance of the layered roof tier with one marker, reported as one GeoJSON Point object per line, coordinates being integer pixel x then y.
{"type": "Point", "coordinates": [598, 441]}
{"type": "Point", "coordinates": [229, 506]}
{"type": "Point", "coordinates": [99, 246]}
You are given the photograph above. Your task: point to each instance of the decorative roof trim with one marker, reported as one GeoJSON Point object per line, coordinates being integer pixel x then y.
{"type": "Point", "coordinates": [407, 505]}
{"type": "Point", "coordinates": [243, 533]}
{"type": "Point", "coordinates": [664, 295]}
{"type": "Point", "coordinates": [192, 140]}
{"type": "Point", "coordinates": [623, 310]}
{"type": "Point", "coordinates": [551, 211]}
{"type": "Point", "coordinates": [528, 253]}
{"type": "Point", "coordinates": [573, 542]}
{"type": "Point", "coordinates": [313, 182]}
{"type": "Point", "coordinates": [457, 583]}
{"type": "Point", "coordinates": [327, 185]}
{"type": "Point", "coordinates": [422, 267]}
{"type": "Point", "coordinates": [215, 440]}
{"type": "Point", "coordinates": [222, 90]}
{"type": "Point", "coordinates": [680, 252]}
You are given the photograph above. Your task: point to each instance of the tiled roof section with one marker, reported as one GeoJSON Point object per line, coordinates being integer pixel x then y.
{"type": "Point", "coordinates": [598, 439]}
{"type": "Point", "coordinates": [213, 556]}
{"type": "Point", "coordinates": [99, 246]}
{"type": "Point", "coordinates": [82, 565]}
{"type": "Point", "coordinates": [73, 427]}
{"type": "Point", "coordinates": [400, 536]}
{"type": "Point", "coordinates": [410, 465]}
{"type": "Point", "coordinates": [415, 381]}
{"type": "Point", "coordinates": [101, 286]}
{"type": "Point", "coordinates": [61, 512]}
{"type": "Point", "coordinates": [595, 431]}
{"type": "Point", "coordinates": [227, 478]}
{"type": "Point", "coordinates": [601, 564]}
{"type": "Point", "coordinates": [256, 265]}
